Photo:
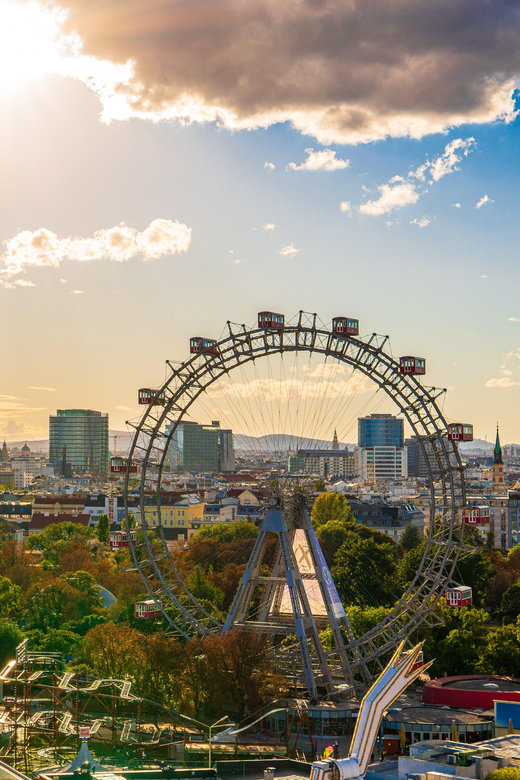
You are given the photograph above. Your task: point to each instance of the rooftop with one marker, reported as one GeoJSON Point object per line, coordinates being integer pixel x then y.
{"type": "Point", "coordinates": [435, 715]}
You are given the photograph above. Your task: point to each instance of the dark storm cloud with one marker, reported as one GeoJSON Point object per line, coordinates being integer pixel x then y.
{"type": "Point", "coordinates": [342, 70]}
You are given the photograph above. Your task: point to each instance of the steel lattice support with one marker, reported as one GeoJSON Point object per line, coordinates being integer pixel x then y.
{"type": "Point", "coordinates": [418, 404]}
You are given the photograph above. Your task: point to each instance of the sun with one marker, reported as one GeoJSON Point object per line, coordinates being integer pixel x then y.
{"type": "Point", "coordinates": [29, 43]}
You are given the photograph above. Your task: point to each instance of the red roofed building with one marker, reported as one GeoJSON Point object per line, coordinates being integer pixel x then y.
{"type": "Point", "coordinates": [40, 521]}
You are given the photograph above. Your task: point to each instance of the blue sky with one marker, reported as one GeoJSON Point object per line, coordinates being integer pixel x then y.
{"type": "Point", "coordinates": [446, 291]}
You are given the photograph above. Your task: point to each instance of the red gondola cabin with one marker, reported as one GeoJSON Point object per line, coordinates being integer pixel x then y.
{"type": "Point", "coordinates": [119, 539]}
{"type": "Point", "coordinates": [147, 609]}
{"type": "Point", "coordinates": [459, 596]}
{"type": "Point", "coordinates": [412, 365]}
{"type": "Point", "coordinates": [199, 345]}
{"type": "Point", "coordinates": [148, 396]}
{"type": "Point", "coordinates": [343, 326]}
{"type": "Point", "coordinates": [268, 319]}
{"type": "Point", "coordinates": [120, 466]}
{"type": "Point", "coordinates": [460, 432]}
{"type": "Point", "coordinates": [476, 515]}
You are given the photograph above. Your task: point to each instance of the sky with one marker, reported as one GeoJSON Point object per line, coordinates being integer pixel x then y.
{"type": "Point", "coordinates": [166, 166]}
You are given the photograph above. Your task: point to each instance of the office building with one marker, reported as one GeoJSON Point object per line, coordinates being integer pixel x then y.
{"type": "Point", "coordinates": [78, 442]}
{"type": "Point", "coordinates": [380, 464]}
{"type": "Point", "coordinates": [380, 430]}
{"type": "Point", "coordinates": [416, 458]}
{"type": "Point", "coordinates": [206, 448]}
{"type": "Point", "coordinates": [323, 463]}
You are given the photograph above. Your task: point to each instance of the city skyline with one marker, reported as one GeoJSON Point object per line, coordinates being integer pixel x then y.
{"type": "Point", "coordinates": [130, 224]}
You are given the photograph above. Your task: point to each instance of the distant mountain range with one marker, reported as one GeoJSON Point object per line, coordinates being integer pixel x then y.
{"type": "Point", "coordinates": [281, 442]}
{"type": "Point", "coordinates": [273, 442]}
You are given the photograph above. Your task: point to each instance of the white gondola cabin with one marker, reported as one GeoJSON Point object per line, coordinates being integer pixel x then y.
{"type": "Point", "coordinates": [412, 365]}
{"type": "Point", "coordinates": [119, 539]}
{"type": "Point", "coordinates": [200, 345]}
{"type": "Point", "coordinates": [460, 432]}
{"type": "Point", "coordinates": [147, 609]}
{"type": "Point", "coordinates": [269, 319]}
{"type": "Point", "coordinates": [459, 596]}
{"type": "Point", "coordinates": [148, 396]}
{"type": "Point", "coordinates": [477, 515]}
{"type": "Point", "coordinates": [344, 326]}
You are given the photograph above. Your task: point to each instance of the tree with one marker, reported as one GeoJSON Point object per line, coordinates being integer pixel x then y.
{"type": "Point", "coordinates": [242, 673]}
{"type": "Point", "coordinates": [463, 647]}
{"type": "Point", "coordinates": [226, 532]}
{"type": "Point", "coordinates": [56, 537]}
{"type": "Point", "coordinates": [331, 536]}
{"type": "Point", "coordinates": [412, 537]}
{"type": "Point", "coordinates": [363, 619]}
{"type": "Point", "coordinates": [10, 597]}
{"type": "Point", "coordinates": [102, 528]}
{"type": "Point", "coordinates": [364, 572]}
{"type": "Point", "coordinates": [10, 638]}
{"type": "Point", "coordinates": [502, 652]}
{"type": "Point", "coordinates": [60, 602]}
{"type": "Point", "coordinates": [331, 506]}
{"type": "Point", "coordinates": [319, 485]}
{"type": "Point", "coordinates": [510, 606]}
{"type": "Point", "coordinates": [115, 651]}
{"type": "Point", "coordinates": [506, 773]}
{"type": "Point", "coordinates": [203, 589]}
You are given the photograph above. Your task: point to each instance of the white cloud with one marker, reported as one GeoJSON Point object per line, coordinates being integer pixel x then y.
{"type": "Point", "coordinates": [452, 155]}
{"type": "Point", "coordinates": [346, 207]}
{"type": "Point", "coordinates": [316, 65]}
{"type": "Point", "coordinates": [505, 372]}
{"type": "Point", "coordinates": [401, 191]}
{"type": "Point", "coordinates": [47, 389]}
{"type": "Point", "coordinates": [484, 276]}
{"type": "Point", "coordinates": [236, 261]}
{"type": "Point", "coordinates": [17, 283]}
{"type": "Point", "coordinates": [322, 160]}
{"type": "Point", "coordinates": [77, 292]}
{"type": "Point", "coordinates": [231, 252]}
{"type": "Point", "coordinates": [63, 281]}
{"type": "Point", "coordinates": [289, 251]}
{"type": "Point", "coordinates": [269, 226]}
{"type": "Point", "coordinates": [422, 222]}
{"type": "Point", "coordinates": [483, 201]}
{"type": "Point", "coordinates": [121, 408]}
{"type": "Point", "coordinates": [391, 197]}
{"type": "Point", "coordinates": [504, 383]}
{"type": "Point", "coordinates": [457, 205]}
{"type": "Point", "coordinates": [513, 319]}
{"type": "Point", "coordinates": [270, 166]}
{"type": "Point", "coordinates": [42, 247]}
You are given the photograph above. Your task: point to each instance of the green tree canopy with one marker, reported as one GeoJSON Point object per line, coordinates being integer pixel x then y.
{"type": "Point", "coordinates": [56, 537]}
{"type": "Point", "coordinates": [226, 532]}
{"type": "Point", "coordinates": [510, 606]}
{"type": "Point", "coordinates": [412, 537]}
{"type": "Point", "coordinates": [331, 506]}
{"type": "Point", "coordinates": [10, 597]}
{"type": "Point", "coordinates": [10, 638]}
{"type": "Point", "coordinates": [506, 773]}
{"type": "Point", "coordinates": [102, 528]}
{"type": "Point", "coordinates": [364, 572]}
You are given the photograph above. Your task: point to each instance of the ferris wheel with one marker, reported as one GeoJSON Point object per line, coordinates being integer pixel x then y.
{"type": "Point", "coordinates": [294, 401]}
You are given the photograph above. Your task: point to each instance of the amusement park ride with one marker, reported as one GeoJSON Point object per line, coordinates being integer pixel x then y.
{"type": "Point", "coordinates": [298, 597]}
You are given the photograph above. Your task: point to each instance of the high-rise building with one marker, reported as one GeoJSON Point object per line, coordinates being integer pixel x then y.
{"type": "Point", "coordinates": [78, 442]}
{"type": "Point", "coordinates": [196, 448]}
{"type": "Point", "coordinates": [416, 457]}
{"type": "Point", "coordinates": [380, 430]}
{"type": "Point", "coordinates": [381, 455]}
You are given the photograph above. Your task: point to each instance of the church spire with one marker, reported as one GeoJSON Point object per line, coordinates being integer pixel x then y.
{"type": "Point", "coordinates": [335, 442]}
{"type": "Point", "coordinates": [497, 452]}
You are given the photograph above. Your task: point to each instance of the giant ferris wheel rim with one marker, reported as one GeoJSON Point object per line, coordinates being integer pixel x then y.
{"type": "Point", "coordinates": [418, 404]}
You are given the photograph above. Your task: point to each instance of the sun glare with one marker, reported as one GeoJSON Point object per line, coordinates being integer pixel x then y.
{"type": "Point", "coordinates": [29, 43]}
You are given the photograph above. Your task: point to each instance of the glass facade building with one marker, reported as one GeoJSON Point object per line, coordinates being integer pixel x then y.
{"type": "Point", "coordinates": [201, 448]}
{"type": "Point", "coordinates": [380, 430]}
{"type": "Point", "coordinates": [78, 442]}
